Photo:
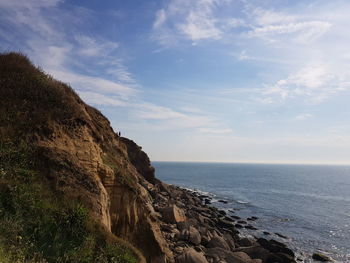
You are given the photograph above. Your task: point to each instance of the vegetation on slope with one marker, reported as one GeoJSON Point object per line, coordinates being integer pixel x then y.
{"type": "Point", "coordinates": [38, 224]}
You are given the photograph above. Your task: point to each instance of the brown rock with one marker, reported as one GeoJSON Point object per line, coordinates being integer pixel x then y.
{"type": "Point", "coordinates": [173, 214]}
{"type": "Point", "coordinates": [254, 251]}
{"type": "Point", "coordinates": [229, 240]}
{"type": "Point", "coordinates": [280, 258]}
{"type": "Point", "coordinates": [220, 254]}
{"type": "Point", "coordinates": [194, 236]}
{"type": "Point", "coordinates": [321, 257]}
{"type": "Point", "coordinates": [245, 242]}
{"type": "Point", "coordinates": [191, 256]}
{"type": "Point", "coordinates": [242, 255]}
{"type": "Point", "coordinates": [218, 242]}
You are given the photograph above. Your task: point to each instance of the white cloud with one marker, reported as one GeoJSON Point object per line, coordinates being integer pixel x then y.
{"type": "Point", "coordinates": [160, 19]}
{"type": "Point", "coordinates": [303, 116]}
{"type": "Point", "coordinates": [169, 119]}
{"type": "Point", "coordinates": [199, 26]}
{"type": "Point", "coordinates": [29, 3]}
{"type": "Point", "coordinates": [155, 112]}
{"type": "Point", "coordinates": [313, 83]}
{"type": "Point", "coordinates": [53, 48]}
{"type": "Point", "coordinates": [101, 100]}
{"type": "Point", "coordinates": [215, 130]}
{"type": "Point", "coordinates": [193, 20]}
{"type": "Point", "coordinates": [89, 83]}
{"type": "Point", "coordinates": [305, 32]}
{"type": "Point", "coordinates": [91, 47]}
{"type": "Point", "coordinates": [265, 17]}
{"type": "Point", "coordinates": [191, 110]}
{"type": "Point", "coordinates": [79, 60]}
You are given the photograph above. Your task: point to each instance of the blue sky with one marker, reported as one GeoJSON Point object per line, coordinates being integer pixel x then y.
{"type": "Point", "coordinates": [201, 80]}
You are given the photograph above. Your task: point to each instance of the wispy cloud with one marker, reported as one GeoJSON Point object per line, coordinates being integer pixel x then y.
{"type": "Point", "coordinates": [272, 25]}
{"type": "Point", "coordinates": [215, 131]}
{"type": "Point", "coordinates": [193, 20]}
{"type": "Point", "coordinates": [91, 64]}
{"type": "Point", "coordinates": [170, 118]}
{"type": "Point", "coordinates": [301, 40]}
{"type": "Point", "coordinates": [314, 84]}
{"type": "Point", "coordinates": [72, 58]}
{"type": "Point", "coordinates": [304, 32]}
{"type": "Point", "coordinates": [29, 4]}
{"type": "Point", "coordinates": [84, 82]}
{"type": "Point", "coordinates": [91, 47]}
{"type": "Point", "coordinates": [101, 100]}
{"type": "Point", "coordinates": [303, 116]}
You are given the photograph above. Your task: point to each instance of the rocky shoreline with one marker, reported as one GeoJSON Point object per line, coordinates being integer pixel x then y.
{"type": "Point", "coordinates": [197, 232]}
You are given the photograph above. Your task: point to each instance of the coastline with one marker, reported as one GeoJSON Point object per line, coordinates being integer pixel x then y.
{"type": "Point", "coordinates": [197, 231]}
{"type": "Point", "coordinates": [294, 201]}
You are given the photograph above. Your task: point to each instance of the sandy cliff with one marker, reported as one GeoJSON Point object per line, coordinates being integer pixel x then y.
{"type": "Point", "coordinates": [80, 154]}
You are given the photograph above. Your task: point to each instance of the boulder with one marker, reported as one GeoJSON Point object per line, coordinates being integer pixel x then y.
{"type": "Point", "coordinates": [183, 225]}
{"type": "Point", "coordinates": [275, 246]}
{"type": "Point", "coordinates": [224, 223]}
{"type": "Point", "coordinates": [173, 214]}
{"type": "Point", "coordinates": [280, 258]}
{"type": "Point", "coordinates": [216, 252]}
{"type": "Point", "coordinates": [194, 236]}
{"type": "Point", "coordinates": [245, 242]}
{"type": "Point", "coordinates": [280, 235]}
{"type": "Point", "coordinates": [222, 255]}
{"type": "Point", "coordinates": [321, 257]}
{"type": "Point", "coordinates": [229, 240]}
{"type": "Point", "coordinates": [250, 227]}
{"type": "Point", "coordinates": [207, 201]}
{"type": "Point", "coordinates": [222, 212]}
{"type": "Point", "coordinates": [227, 218]}
{"type": "Point", "coordinates": [242, 255]}
{"type": "Point", "coordinates": [218, 242]}
{"type": "Point", "coordinates": [255, 252]}
{"type": "Point", "coordinates": [191, 256]}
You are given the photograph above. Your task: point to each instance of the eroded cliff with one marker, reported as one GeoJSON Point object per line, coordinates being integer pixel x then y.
{"type": "Point", "coordinates": [80, 155]}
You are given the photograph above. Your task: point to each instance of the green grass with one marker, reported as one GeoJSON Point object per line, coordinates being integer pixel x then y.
{"type": "Point", "coordinates": [37, 225]}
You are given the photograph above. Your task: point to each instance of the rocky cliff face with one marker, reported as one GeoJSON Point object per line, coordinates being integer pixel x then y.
{"type": "Point", "coordinates": [78, 151]}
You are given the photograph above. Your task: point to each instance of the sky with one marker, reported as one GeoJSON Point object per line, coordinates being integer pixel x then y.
{"type": "Point", "coordinates": [263, 81]}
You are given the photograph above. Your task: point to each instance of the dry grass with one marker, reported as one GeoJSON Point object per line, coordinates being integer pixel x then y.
{"type": "Point", "coordinates": [31, 98]}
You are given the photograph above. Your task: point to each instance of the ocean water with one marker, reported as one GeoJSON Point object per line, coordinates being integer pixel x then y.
{"type": "Point", "coordinates": [310, 204]}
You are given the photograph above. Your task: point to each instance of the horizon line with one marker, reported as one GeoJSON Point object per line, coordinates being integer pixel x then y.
{"type": "Point", "coordinates": [255, 162]}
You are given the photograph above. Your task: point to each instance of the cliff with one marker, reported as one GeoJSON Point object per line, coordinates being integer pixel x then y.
{"type": "Point", "coordinates": [78, 155]}
{"type": "Point", "coordinates": [72, 190]}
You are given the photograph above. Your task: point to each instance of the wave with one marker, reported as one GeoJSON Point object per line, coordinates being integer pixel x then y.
{"type": "Point", "coordinates": [241, 202]}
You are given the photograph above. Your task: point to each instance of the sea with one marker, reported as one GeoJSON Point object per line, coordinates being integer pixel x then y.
{"type": "Point", "coordinates": [309, 204]}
